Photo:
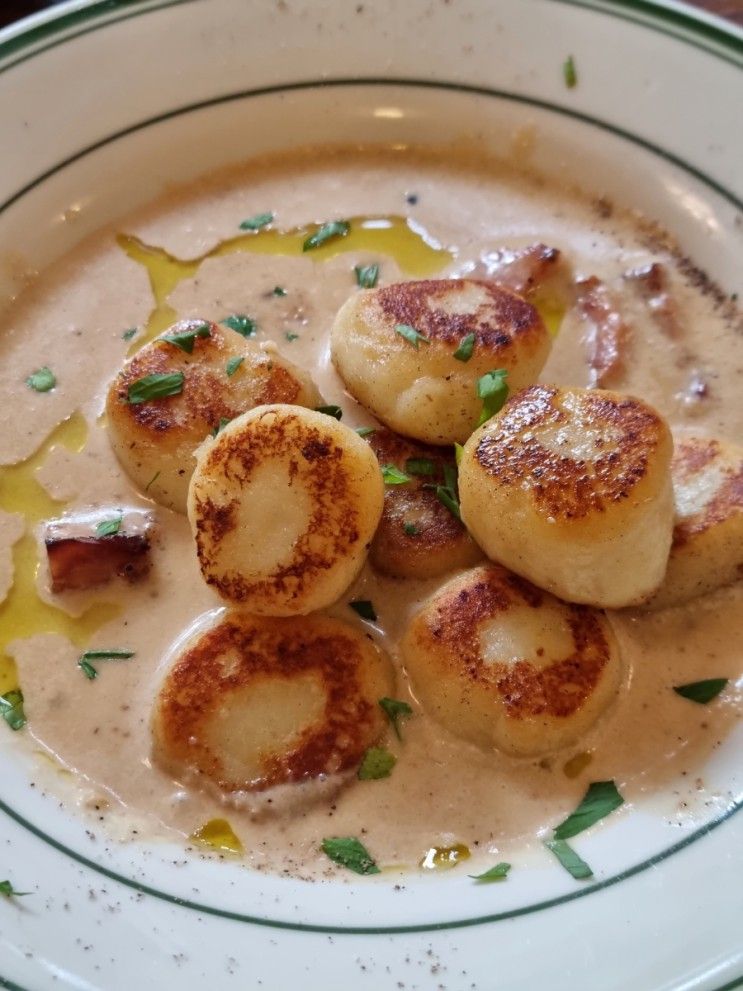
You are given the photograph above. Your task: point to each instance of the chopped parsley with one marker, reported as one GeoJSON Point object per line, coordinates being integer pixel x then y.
{"type": "Point", "coordinates": [328, 232]}
{"type": "Point", "coordinates": [7, 889]}
{"type": "Point", "coordinates": [377, 763]}
{"type": "Point", "coordinates": [244, 325]}
{"type": "Point", "coordinates": [364, 608]}
{"type": "Point", "coordinates": [11, 709]}
{"type": "Point", "coordinates": [420, 466]}
{"type": "Point", "coordinates": [257, 222]}
{"type": "Point", "coordinates": [410, 334]}
{"type": "Point", "coordinates": [392, 475]}
{"type": "Point", "coordinates": [395, 710]}
{"type": "Point", "coordinates": [493, 390]}
{"type": "Point", "coordinates": [152, 481]}
{"type": "Point", "coordinates": [223, 421]}
{"type": "Point", "coordinates": [458, 452]}
{"type": "Point", "coordinates": [701, 691]}
{"type": "Point", "coordinates": [87, 669]}
{"type": "Point", "coordinates": [410, 529]}
{"type": "Point", "coordinates": [185, 339]}
{"type": "Point", "coordinates": [601, 798]}
{"type": "Point", "coordinates": [465, 349]}
{"type": "Point", "coordinates": [448, 493]}
{"type": "Point", "coordinates": [335, 411]}
{"type": "Point", "coordinates": [366, 275]}
{"type": "Point", "coordinates": [569, 859]}
{"type": "Point", "coordinates": [365, 431]}
{"type": "Point", "coordinates": [497, 873]}
{"type": "Point", "coordinates": [291, 337]}
{"type": "Point", "coordinates": [128, 334]}
{"type": "Point", "coordinates": [109, 528]}
{"type": "Point", "coordinates": [278, 291]}
{"type": "Point", "coordinates": [42, 380]}
{"type": "Point", "coordinates": [569, 72]}
{"type": "Point", "coordinates": [349, 852]}
{"type": "Point", "coordinates": [114, 654]}
{"type": "Point", "coordinates": [233, 364]}
{"type": "Point", "coordinates": [157, 386]}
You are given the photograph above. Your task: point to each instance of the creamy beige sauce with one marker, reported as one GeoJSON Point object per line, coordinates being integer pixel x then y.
{"type": "Point", "coordinates": [442, 791]}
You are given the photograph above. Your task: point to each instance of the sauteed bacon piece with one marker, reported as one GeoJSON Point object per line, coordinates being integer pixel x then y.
{"type": "Point", "coordinates": [528, 270]}
{"type": "Point", "coordinates": [92, 548]}
{"type": "Point", "coordinates": [652, 284]}
{"type": "Point", "coordinates": [608, 337]}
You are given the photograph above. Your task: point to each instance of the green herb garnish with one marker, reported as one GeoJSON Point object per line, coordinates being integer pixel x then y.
{"type": "Point", "coordinates": [377, 763]}
{"type": "Point", "coordinates": [349, 852]}
{"type": "Point", "coordinates": [223, 421]}
{"type": "Point", "coordinates": [458, 452]}
{"type": "Point", "coordinates": [240, 323]}
{"type": "Point", "coordinates": [155, 387]}
{"type": "Point", "coordinates": [128, 334]}
{"type": "Point", "coordinates": [395, 710]}
{"type": "Point", "coordinates": [257, 222]}
{"type": "Point", "coordinates": [393, 476]}
{"type": "Point", "coordinates": [410, 334]}
{"type": "Point", "coordinates": [364, 608]}
{"type": "Point", "coordinates": [448, 493]}
{"type": "Point", "coordinates": [232, 365]}
{"type": "Point", "coordinates": [334, 411]}
{"type": "Point", "coordinates": [7, 889]}
{"type": "Point", "coordinates": [569, 859]}
{"type": "Point", "coordinates": [493, 391]}
{"type": "Point", "coordinates": [109, 528]}
{"type": "Point", "coordinates": [365, 431]}
{"type": "Point", "coordinates": [114, 654]}
{"type": "Point", "coordinates": [42, 380]}
{"type": "Point", "coordinates": [701, 691]}
{"type": "Point", "coordinates": [420, 466]}
{"type": "Point", "coordinates": [569, 72]}
{"type": "Point", "coordinates": [601, 798]}
{"type": "Point", "coordinates": [291, 337]}
{"type": "Point", "coordinates": [328, 232]}
{"type": "Point", "coordinates": [278, 291]}
{"type": "Point", "coordinates": [366, 275]}
{"type": "Point", "coordinates": [11, 709]}
{"type": "Point", "coordinates": [497, 873]}
{"type": "Point", "coordinates": [411, 530]}
{"type": "Point", "coordinates": [152, 481]}
{"type": "Point", "coordinates": [466, 346]}
{"type": "Point", "coordinates": [185, 338]}
{"type": "Point", "coordinates": [87, 669]}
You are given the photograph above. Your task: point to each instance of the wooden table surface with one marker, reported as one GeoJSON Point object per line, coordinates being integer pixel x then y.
{"type": "Point", "coordinates": [11, 10]}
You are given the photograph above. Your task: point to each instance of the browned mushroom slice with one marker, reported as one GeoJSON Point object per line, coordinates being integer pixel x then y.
{"type": "Point", "coordinates": [653, 285]}
{"type": "Point", "coordinates": [93, 547]}
{"type": "Point", "coordinates": [526, 271]}
{"type": "Point", "coordinates": [608, 336]}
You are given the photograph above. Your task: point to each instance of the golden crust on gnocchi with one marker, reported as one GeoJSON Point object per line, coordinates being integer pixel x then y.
{"type": "Point", "coordinates": [154, 440]}
{"type": "Point", "coordinates": [414, 384]}
{"type": "Point", "coordinates": [256, 702]}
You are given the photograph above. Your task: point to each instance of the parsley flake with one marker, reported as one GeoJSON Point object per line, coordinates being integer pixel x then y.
{"type": "Point", "coordinates": [185, 338]}
{"type": "Point", "coordinates": [465, 349]}
{"type": "Point", "coordinates": [233, 364]}
{"type": "Point", "coordinates": [157, 386]}
{"type": "Point", "coordinates": [349, 852]}
{"type": "Point", "coordinates": [601, 798]}
{"type": "Point", "coordinates": [11, 709]}
{"type": "Point", "coordinates": [497, 873]}
{"type": "Point", "coordinates": [395, 710]}
{"type": "Point", "coordinates": [223, 421]}
{"type": "Point", "coordinates": [112, 654]}
{"type": "Point", "coordinates": [325, 233]}
{"type": "Point", "coordinates": [152, 481]}
{"type": "Point", "coordinates": [87, 669]}
{"type": "Point", "coordinates": [364, 608]}
{"type": "Point", "coordinates": [392, 475]}
{"type": "Point", "coordinates": [7, 889]}
{"type": "Point", "coordinates": [493, 390]}
{"type": "Point", "coordinates": [569, 859]}
{"type": "Point", "coordinates": [420, 466]}
{"type": "Point", "coordinates": [291, 337]}
{"type": "Point", "coordinates": [448, 493]}
{"type": "Point", "coordinates": [701, 692]}
{"type": "Point", "coordinates": [569, 72]}
{"type": "Point", "coordinates": [109, 528]}
{"type": "Point", "coordinates": [42, 380]}
{"type": "Point", "coordinates": [377, 763]}
{"type": "Point", "coordinates": [410, 334]}
{"type": "Point", "coordinates": [257, 222]}
{"type": "Point", "coordinates": [366, 275]}
{"type": "Point", "coordinates": [128, 334]}
{"type": "Point", "coordinates": [243, 325]}
{"type": "Point", "coordinates": [278, 291]}
{"type": "Point", "coordinates": [410, 529]}
{"type": "Point", "coordinates": [335, 411]}
{"type": "Point", "coordinates": [365, 431]}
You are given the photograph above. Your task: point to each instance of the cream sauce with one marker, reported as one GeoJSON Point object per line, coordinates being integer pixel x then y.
{"type": "Point", "coordinates": [442, 791]}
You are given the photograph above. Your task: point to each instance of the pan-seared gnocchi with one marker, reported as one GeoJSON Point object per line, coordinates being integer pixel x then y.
{"type": "Point", "coordinates": [256, 702]}
{"type": "Point", "coordinates": [571, 488]}
{"type": "Point", "coordinates": [413, 352]}
{"type": "Point", "coordinates": [177, 390]}
{"type": "Point", "coordinates": [283, 505]}
{"type": "Point", "coordinates": [508, 666]}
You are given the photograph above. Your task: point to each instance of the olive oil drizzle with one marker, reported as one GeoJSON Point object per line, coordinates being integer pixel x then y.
{"type": "Point", "coordinates": [23, 614]}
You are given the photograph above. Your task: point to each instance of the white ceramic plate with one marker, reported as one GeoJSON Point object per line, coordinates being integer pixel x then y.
{"type": "Point", "coordinates": [100, 104]}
